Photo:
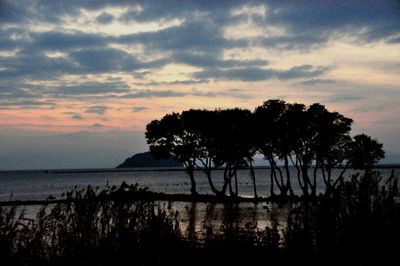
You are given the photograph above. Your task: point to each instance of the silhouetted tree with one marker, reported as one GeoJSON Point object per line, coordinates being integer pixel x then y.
{"type": "Point", "coordinates": [365, 152]}
{"type": "Point", "coordinates": [168, 137]}
{"type": "Point", "coordinates": [281, 132]}
{"type": "Point", "coordinates": [203, 124]}
{"type": "Point", "coordinates": [297, 143]}
{"type": "Point", "coordinates": [269, 140]}
{"type": "Point", "coordinates": [328, 140]}
{"type": "Point", "coordinates": [233, 144]}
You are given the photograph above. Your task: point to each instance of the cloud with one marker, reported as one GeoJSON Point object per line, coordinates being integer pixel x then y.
{"type": "Point", "coordinates": [105, 18]}
{"type": "Point", "coordinates": [165, 10]}
{"type": "Point", "coordinates": [394, 40]}
{"type": "Point", "coordinates": [99, 109]}
{"type": "Point", "coordinates": [208, 60]}
{"type": "Point", "coordinates": [96, 125]}
{"type": "Point", "coordinates": [302, 71]}
{"type": "Point", "coordinates": [294, 41]}
{"type": "Point", "coordinates": [105, 60]}
{"type": "Point", "coordinates": [36, 66]}
{"type": "Point", "coordinates": [74, 115]}
{"type": "Point", "coordinates": [87, 88]}
{"type": "Point", "coordinates": [313, 82]}
{"type": "Point", "coordinates": [18, 104]}
{"type": "Point", "coordinates": [152, 93]}
{"type": "Point", "coordinates": [257, 74]}
{"type": "Point", "coordinates": [196, 40]}
{"type": "Point", "coordinates": [28, 92]}
{"type": "Point", "coordinates": [340, 98]}
{"type": "Point", "coordinates": [61, 41]}
{"type": "Point", "coordinates": [191, 36]}
{"type": "Point", "coordinates": [138, 109]}
{"type": "Point", "coordinates": [193, 92]}
{"type": "Point", "coordinates": [79, 53]}
{"type": "Point", "coordinates": [229, 93]}
{"type": "Point", "coordinates": [77, 117]}
{"type": "Point", "coordinates": [373, 21]}
{"type": "Point", "coordinates": [175, 82]}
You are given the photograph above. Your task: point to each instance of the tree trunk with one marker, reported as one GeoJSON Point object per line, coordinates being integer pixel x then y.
{"type": "Point", "coordinates": [272, 171]}
{"type": "Point", "coordinates": [193, 190]}
{"type": "Point", "coordinates": [236, 184]}
{"type": "Point", "coordinates": [288, 183]}
{"type": "Point", "coordinates": [253, 177]}
{"type": "Point", "coordinates": [210, 182]}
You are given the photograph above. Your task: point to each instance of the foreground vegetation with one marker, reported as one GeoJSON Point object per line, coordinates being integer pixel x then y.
{"type": "Point", "coordinates": [357, 224]}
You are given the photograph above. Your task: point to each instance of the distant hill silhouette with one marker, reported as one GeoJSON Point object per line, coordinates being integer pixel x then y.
{"type": "Point", "coordinates": [146, 159]}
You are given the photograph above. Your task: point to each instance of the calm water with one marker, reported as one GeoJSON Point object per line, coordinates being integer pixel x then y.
{"type": "Point", "coordinates": [38, 185]}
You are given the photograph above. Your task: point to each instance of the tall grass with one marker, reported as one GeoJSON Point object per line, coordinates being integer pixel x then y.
{"type": "Point", "coordinates": [357, 224]}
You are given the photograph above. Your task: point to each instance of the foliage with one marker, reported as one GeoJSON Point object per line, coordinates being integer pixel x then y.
{"type": "Point", "coordinates": [87, 230]}
{"type": "Point", "coordinates": [312, 139]}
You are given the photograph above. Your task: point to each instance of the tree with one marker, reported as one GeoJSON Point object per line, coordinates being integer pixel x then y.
{"type": "Point", "coordinates": [293, 143]}
{"type": "Point", "coordinates": [268, 134]}
{"type": "Point", "coordinates": [168, 138]}
{"type": "Point", "coordinates": [365, 152]}
{"type": "Point", "coordinates": [203, 125]}
{"type": "Point", "coordinates": [328, 141]}
{"type": "Point", "coordinates": [233, 145]}
{"type": "Point", "coordinates": [281, 132]}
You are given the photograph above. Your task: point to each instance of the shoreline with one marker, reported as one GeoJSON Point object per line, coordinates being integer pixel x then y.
{"type": "Point", "coordinates": [157, 169]}
{"type": "Point", "coordinates": [153, 196]}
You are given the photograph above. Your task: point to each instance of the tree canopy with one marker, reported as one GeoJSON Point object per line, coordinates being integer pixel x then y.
{"type": "Point", "coordinates": [311, 139]}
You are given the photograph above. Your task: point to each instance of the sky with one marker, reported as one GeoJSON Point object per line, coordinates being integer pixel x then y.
{"type": "Point", "coordinates": [79, 80]}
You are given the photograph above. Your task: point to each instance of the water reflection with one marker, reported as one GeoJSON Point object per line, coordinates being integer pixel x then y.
{"type": "Point", "coordinates": [198, 218]}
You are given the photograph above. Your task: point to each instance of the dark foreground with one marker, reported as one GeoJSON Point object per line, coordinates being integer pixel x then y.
{"type": "Point", "coordinates": [357, 224]}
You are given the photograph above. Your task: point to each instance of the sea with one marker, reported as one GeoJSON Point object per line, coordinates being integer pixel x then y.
{"type": "Point", "coordinates": [41, 184]}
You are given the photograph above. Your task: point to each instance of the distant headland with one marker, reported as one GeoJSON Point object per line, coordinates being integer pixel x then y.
{"type": "Point", "coordinates": [146, 159]}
